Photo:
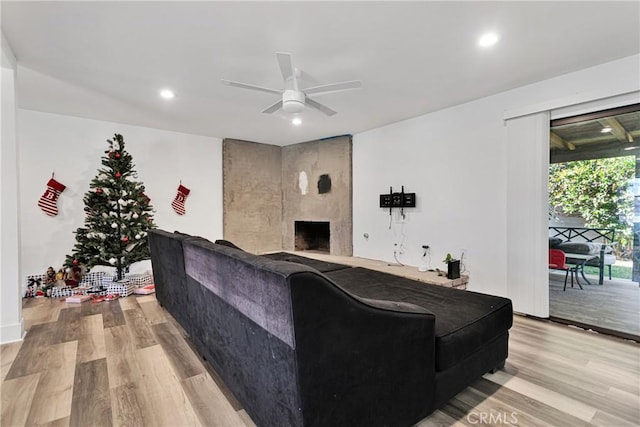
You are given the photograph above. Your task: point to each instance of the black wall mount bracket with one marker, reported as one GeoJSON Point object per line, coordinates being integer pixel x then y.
{"type": "Point", "coordinates": [397, 200]}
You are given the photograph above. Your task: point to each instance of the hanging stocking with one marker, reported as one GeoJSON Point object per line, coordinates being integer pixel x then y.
{"type": "Point", "coordinates": [49, 199]}
{"type": "Point", "coordinates": [178, 202]}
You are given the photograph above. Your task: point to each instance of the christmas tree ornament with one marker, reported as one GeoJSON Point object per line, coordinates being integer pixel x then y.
{"type": "Point", "coordinates": [114, 225]}
{"type": "Point", "coordinates": [178, 202]}
{"type": "Point", "coordinates": [125, 239]}
{"type": "Point", "coordinates": [112, 261]}
{"type": "Point", "coordinates": [117, 155]}
{"type": "Point", "coordinates": [48, 201]}
{"type": "Point", "coordinates": [138, 237]}
{"type": "Point", "coordinates": [99, 190]}
{"type": "Point", "coordinates": [135, 216]}
{"type": "Point", "coordinates": [118, 175]}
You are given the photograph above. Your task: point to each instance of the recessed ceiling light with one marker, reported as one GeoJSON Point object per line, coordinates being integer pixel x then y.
{"type": "Point", "coordinates": [297, 121]}
{"type": "Point", "coordinates": [167, 94]}
{"type": "Point", "coordinates": [605, 130]}
{"type": "Point", "coordinates": [488, 39]}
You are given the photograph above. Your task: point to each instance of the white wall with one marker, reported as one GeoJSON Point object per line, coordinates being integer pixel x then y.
{"type": "Point", "coordinates": [456, 161]}
{"type": "Point", "coordinates": [460, 186]}
{"type": "Point", "coordinates": [72, 147]}
{"type": "Point", "coordinates": [11, 327]}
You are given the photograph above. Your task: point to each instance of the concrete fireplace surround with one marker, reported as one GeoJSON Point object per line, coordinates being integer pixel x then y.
{"type": "Point", "coordinates": [267, 188]}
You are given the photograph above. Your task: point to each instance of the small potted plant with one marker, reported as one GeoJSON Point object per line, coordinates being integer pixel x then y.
{"type": "Point", "coordinates": [453, 267]}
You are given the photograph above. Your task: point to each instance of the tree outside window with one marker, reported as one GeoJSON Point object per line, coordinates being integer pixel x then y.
{"type": "Point", "coordinates": [600, 192]}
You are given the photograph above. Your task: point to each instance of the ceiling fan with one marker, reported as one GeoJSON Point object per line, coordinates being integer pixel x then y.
{"type": "Point", "coordinates": [293, 98]}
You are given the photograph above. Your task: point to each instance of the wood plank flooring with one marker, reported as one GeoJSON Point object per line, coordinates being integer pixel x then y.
{"type": "Point", "coordinates": [614, 306]}
{"type": "Point", "coordinates": [119, 363]}
{"type": "Point", "coordinates": [128, 363]}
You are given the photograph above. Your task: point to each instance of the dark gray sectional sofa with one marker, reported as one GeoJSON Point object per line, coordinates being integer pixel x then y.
{"type": "Point", "coordinates": [302, 342]}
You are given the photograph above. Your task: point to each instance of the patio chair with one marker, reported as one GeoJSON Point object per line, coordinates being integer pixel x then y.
{"type": "Point", "coordinates": [557, 261]}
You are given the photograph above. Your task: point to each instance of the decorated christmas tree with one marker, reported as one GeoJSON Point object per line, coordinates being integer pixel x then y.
{"type": "Point", "coordinates": [118, 215]}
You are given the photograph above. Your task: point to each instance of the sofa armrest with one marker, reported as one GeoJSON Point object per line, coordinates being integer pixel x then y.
{"type": "Point", "coordinates": [356, 356]}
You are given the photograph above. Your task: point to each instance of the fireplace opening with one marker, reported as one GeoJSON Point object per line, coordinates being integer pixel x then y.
{"type": "Point", "coordinates": [312, 236]}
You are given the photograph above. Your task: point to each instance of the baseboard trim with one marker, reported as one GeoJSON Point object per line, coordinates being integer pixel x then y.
{"type": "Point", "coordinates": [12, 333]}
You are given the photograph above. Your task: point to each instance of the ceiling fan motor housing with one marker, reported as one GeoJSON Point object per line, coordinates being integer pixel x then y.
{"type": "Point", "coordinates": [292, 101]}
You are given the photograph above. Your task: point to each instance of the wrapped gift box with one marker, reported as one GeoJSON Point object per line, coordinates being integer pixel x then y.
{"type": "Point", "coordinates": [140, 280]}
{"type": "Point", "coordinates": [122, 287]}
{"type": "Point", "coordinates": [91, 283]}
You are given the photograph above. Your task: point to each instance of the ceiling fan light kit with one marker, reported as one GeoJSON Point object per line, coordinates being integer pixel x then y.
{"type": "Point", "coordinates": [293, 99]}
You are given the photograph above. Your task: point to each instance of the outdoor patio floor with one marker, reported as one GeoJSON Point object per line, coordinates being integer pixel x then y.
{"type": "Point", "coordinates": [611, 308]}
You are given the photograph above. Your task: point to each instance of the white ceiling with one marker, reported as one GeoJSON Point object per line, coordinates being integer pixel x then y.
{"type": "Point", "coordinates": [107, 60]}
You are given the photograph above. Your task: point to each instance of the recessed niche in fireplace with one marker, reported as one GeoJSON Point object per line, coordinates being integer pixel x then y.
{"type": "Point", "coordinates": [312, 236]}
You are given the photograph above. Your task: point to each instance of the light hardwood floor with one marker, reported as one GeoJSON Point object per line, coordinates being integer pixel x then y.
{"type": "Point", "coordinates": [128, 363]}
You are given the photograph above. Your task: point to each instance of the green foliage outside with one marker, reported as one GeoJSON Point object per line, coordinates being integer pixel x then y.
{"type": "Point", "coordinates": [118, 215]}
{"type": "Point", "coordinates": [597, 190]}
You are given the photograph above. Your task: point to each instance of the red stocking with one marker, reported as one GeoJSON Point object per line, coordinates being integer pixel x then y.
{"type": "Point", "coordinates": [49, 199]}
{"type": "Point", "coordinates": [178, 202]}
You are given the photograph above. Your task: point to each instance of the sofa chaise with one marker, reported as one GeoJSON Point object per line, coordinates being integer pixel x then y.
{"type": "Point", "coordinates": [301, 342]}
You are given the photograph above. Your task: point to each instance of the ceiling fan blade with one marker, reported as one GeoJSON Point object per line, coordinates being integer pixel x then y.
{"type": "Point", "coordinates": [315, 104]}
{"type": "Point", "coordinates": [286, 67]}
{"type": "Point", "coordinates": [334, 87]}
{"type": "Point", "coordinates": [275, 107]}
{"type": "Point", "coordinates": [252, 87]}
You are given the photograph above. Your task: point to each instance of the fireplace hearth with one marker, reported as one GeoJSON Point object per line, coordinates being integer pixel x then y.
{"type": "Point", "coordinates": [312, 236]}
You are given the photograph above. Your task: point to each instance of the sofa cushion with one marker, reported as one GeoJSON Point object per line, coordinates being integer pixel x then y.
{"type": "Point", "coordinates": [258, 283]}
{"type": "Point", "coordinates": [609, 259]}
{"type": "Point", "coordinates": [584, 248]}
{"type": "Point", "coordinates": [321, 266]}
{"type": "Point", "coordinates": [554, 242]}
{"type": "Point", "coordinates": [465, 320]}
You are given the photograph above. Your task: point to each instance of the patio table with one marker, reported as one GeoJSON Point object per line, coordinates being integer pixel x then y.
{"type": "Point", "coordinates": [579, 260]}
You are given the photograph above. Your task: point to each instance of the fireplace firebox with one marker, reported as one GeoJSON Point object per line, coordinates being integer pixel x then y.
{"type": "Point", "coordinates": [312, 236]}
